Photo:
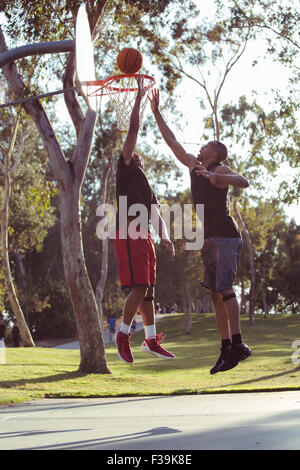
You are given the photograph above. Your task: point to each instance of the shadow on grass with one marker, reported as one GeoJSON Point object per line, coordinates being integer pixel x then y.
{"type": "Point", "coordinates": [257, 379]}
{"type": "Point", "coordinates": [38, 380]}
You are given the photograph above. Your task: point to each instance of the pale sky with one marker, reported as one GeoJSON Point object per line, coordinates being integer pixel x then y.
{"type": "Point", "coordinates": [242, 79]}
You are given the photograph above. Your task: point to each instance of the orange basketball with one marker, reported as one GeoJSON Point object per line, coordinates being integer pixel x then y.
{"type": "Point", "coordinates": [129, 60]}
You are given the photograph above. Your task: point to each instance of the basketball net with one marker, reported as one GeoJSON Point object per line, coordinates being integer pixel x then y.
{"type": "Point", "coordinates": [122, 90]}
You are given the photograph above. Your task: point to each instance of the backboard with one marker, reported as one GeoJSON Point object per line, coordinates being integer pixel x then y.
{"type": "Point", "coordinates": [85, 65]}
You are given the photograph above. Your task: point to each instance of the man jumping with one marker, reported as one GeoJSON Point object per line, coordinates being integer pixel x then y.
{"type": "Point", "coordinates": [136, 256]}
{"type": "Point", "coordinates": [210, 181]}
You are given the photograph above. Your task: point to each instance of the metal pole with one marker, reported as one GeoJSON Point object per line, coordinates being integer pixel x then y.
{"type": "Point", "coordinates": [37, 97]}
{"type": "Point", "coordinates": [51, 47]}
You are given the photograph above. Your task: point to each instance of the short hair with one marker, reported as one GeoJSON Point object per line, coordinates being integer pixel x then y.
{"type": "Point", "coordinates": [220, 148]}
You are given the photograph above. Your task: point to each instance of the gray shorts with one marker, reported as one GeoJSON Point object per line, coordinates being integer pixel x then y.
{"type": "Point", "coordinates": [220, 256]}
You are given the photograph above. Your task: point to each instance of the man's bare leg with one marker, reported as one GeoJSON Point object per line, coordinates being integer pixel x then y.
{"type": "Point", "coordinates": [222, 317]}
{"type": "Point", "coordinates": [231, 304]}
{"type": "Point", "coordinates": [223, 325]}
{"type": "Point", "coordinates": [239, 351]}
{"type": "Point", "coordinates": [152, 341]}
{"type": "Point", "coordinates": [132, 304]}
{"type": "Point", "coordinates": [147, 310]}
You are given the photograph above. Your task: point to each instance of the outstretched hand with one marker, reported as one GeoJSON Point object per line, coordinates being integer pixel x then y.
{"type": "Point", "coordinates": [141, 88]}
{"type": "Point", "coordinates": [154, 100]}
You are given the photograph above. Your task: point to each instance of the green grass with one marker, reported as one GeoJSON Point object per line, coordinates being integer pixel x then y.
{"type": "Point", "coordinates": [41, 372]}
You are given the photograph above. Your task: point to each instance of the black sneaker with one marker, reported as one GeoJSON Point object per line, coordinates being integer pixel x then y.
{"type": "Point", "coordinates": [239, 352]}
{"type": "Point", "coordinates": [225, 351]}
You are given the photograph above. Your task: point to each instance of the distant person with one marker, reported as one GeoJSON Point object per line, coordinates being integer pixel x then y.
{"type": "Point", "coordinates": [174, 308]}
{"type": "Point", "coordinates": [157, 309]}
{"type": "Point", "coordinates": [2, 330]}
{"type": "Point", "coordinates": [15, 333]}
{"type": "Point", "coordinates": [133, 326]}
{"type": "Point", "coordinates": [136, 256]}
{"type": "Point", "coordinates": [210, 180]}
{"type": "Point", "coordinates": [111, 327]}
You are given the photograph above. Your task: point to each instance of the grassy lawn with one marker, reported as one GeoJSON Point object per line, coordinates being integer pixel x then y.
{"type": "Point", "coordinates": [41, 372]}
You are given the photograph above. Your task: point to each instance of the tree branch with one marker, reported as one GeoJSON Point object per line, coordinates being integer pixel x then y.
{"type": "Point", "coordinates": [82, 151]}
{"type": "Point", "coordinates": [72, 104]}
{"type": "Point", "coordinates": [23, 138]}
{"type": "Point", "coordinates": [202, 85]}
{"type": "Point", "coordinates": [35, 110]}
{"type": "Point", "coordinates": [263, 25]}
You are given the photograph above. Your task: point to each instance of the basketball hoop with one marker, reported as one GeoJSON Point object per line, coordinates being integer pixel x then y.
{"type": "Point", "coordinates": [122, 90]}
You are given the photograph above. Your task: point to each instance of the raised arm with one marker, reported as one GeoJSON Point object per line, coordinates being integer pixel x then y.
{"type": "Point", "coordinates": [179, 152]}
{"type": "Point", "coordinates": [130, 142]}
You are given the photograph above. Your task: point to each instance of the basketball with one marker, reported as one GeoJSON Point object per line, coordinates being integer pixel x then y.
{"type": "Point", "coordinates": [129, 60]}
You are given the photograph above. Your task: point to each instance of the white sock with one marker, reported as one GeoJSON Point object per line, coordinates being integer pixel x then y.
{"type": "Point", "coordinates": [150, 331]}
{"type": "Point", "coordinates": [124, 328]}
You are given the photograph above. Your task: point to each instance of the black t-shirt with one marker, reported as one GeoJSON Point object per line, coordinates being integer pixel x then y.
{"type": "Point", "coordinates": [132, 182]}
{"type": "Point", "coordinates": [217, 220]}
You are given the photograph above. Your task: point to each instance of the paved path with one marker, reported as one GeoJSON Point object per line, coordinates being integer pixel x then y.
{"type": "Point", "coordinates": [107, 340]}
{"type": "Point", "coordinates": [230, 421]}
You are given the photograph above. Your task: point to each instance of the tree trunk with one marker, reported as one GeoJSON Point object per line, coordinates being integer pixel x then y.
{"type": "Point", "coordinates": [198, 306]}
{"type": "Point", "coordinates": [243, 299]}
{"type": "Point", "coordinates": [90, 337]}
{"type": "Point", "coordinates": [69, 176]}
{"type": "Point", "coordinates": [104, 197]}
{"type": "Point", "coordinates": [263, 293]}
{"type": "Point", "coordinates": [21, 270]}
{"type": "Point", "coordinates": [102, 281]}
{"type": "Point", "coordinates": [248, 242]}
{"type": "Point", "coordinates": [10, 288]}
{"type": "Point", "coordinates": [187, 315]}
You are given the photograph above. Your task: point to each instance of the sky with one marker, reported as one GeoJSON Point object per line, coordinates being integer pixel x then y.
{"type": "Point", "coordinates": [242, 80]}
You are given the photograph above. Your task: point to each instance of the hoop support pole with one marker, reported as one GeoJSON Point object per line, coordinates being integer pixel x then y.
{"type": "Point", "coordinates": [37, 97]}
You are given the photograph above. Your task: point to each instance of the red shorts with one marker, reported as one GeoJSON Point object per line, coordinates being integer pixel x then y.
{"type": "Point", "coordinates": [136, 261]}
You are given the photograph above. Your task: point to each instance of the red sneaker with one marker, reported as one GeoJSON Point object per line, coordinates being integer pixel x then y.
{"type": "Point", "coordinates": [152, 346]}
{"type": "Point", "coordinates": [124, 351]}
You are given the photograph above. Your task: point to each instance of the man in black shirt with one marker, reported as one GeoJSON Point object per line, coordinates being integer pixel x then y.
{"type": "Point", "coordinates": [136, 255]}
{"type": "Point", "coordinates": [222, 241]}
{"type": "Point", "coordinates": [15, 333]}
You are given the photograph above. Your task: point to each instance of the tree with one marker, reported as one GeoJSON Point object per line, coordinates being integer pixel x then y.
{"type": "Point", "coordinates": [278, 22]}
{"type": "Point", "coordinates": [104, 198]}
{"type": "Point", "coordinates": [70, 175]}
{"type": "Point", "coordinates": [178, 280]}
{"type": "Point", "coordinates": [8, 170]}
{"type": "Point", "coordinates": [24, 18]}
{"type": "Point", "coordinates": [287, 270]}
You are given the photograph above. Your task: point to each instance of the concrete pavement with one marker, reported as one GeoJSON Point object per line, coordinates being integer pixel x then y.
{"type": "Point", "coordinates": [240, 421]}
